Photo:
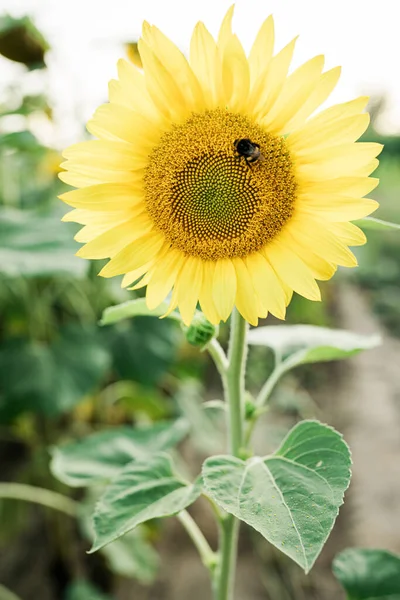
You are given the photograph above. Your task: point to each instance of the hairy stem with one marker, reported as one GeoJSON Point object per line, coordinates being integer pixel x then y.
{"type": "Point", "coordinates": [234, 396]}
{"type": "Point", "coordinates": [207, 555]}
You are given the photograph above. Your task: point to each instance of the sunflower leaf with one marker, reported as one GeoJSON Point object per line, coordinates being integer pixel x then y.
{"type": "Point", "coordinates": [301, 344]}
{"type": "Point", "coordinates": [134, 308]}
{"type": "Point", "coordinates": [101, 456]}
{"type": "Point", "coordinates": [371, 223]}
{"type": "Point", "coordinates": [291, 497]}
{"type": "Point", "coordinates": [144, 490]}
{"type": "Point", "coordinates": [35, 244]}
{"type": "Point", "coordinates": [56, 376]}
{"type": "Point", "coordinates": [368, 574]}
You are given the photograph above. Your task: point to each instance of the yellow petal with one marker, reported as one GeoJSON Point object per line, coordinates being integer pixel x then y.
{"type": "Point", "coordinates": [330, 115]}
{"type": "Point", "coordinates": [90, 217]}
{"type": "Point", "coordinates": [349, 233]}
{"type": "Point", "coordinates": [143, 281]}
{"type": "Point", "coordinates": [161, 85]}
{"type": "Point", "coordinates": [266, 284]}
{"type": "Point", "coordinates": [319, 267]}
{"type": "Point", "coordinates": [322, 90]}
{"type": "Point", "coordinates": [114, 122]}
{"type": "Point", "coordinates": [317, 236]}
{"type": "Point", "coordinates": [177, 65]}
{"type": "Point", "coordinates": [173, 303]}
{"type": "Point", "coordinates": [81, 175]}
{"type": "Point", "coordinates": [336, 208]}
{"type": "Point", "coordinates": [225, 31]}
{"type": "Point", "coordinates": [356, 187]}
{"type": "Point", "coordinates": [102, 154]}
{"type": "Point", "coordinates": [115, 239]}
{"type": "Point", "coordinates": [134, 275]}
{"type": "Point", "coordinates": [291, 269]}
{"type": "Point", "coordinates": [188, 286]}
{"type": "Point", "coordinates": [76, 179]}
{"type": "Point", "coordinates": [163, 277]}
{"type": "Point", "coordinates": [130, 91]}
{"type": "Point", "coordinates": [105, 197]}
{"type": "Point", "coordinates": [224, 288]}
{"type": "Point", "coordinates": [235, 75]}
{"type": "Point", "coordinates": [246, 300]}
{"type": "Point", "coordinates": [269, 85]}
{"type": "Point", "coordinates": [366, 169]}
{"type": "Point", "coordinates": [135, 255]}
{"type": "Point", "coordinates": [205, 297]}
{"type": "Point", "coordinates": [205, 62]}
{"type": "Point", "coordinates": [262, 50]}
{"type": "Point", "coordinates": [296, 90]}
{"type": "Point", "coordinates": [343, 131]}
{"type": "Point", "coordinates": [341, 160]}
{"type": "Point", "coordinates": [95, 227]}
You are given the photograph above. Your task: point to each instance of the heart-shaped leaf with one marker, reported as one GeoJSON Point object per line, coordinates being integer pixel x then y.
{"type": "Point", "coordinates": [308, 344]}
{"type": "Point", "coordinates": [101, 456]}
{"type": "Point", "coordinates": [144, 490]}
{"type": "Point", "coordinates": [134, 308]}
{"type": "Point", "coordinates": [291, 497]}
{"type": "Point", "coordinates": [368, 574]}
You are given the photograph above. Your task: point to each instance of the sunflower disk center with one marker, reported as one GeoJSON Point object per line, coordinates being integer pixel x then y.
{"type": "Point", "coordinates": [204, 197]}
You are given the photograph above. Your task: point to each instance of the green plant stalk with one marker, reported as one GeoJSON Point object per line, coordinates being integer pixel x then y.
{"type": "Point", "coordinates": [234, 396]}
{"type": "Point", "coordinates": [30, 493]}
{"type": "Point", "coordinates": [208, 557]}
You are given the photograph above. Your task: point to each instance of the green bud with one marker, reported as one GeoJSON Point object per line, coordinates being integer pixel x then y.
{"type": "Point", "coordinates": [249, 406]}
{"type": "Point", "coordinates": [200, 331]}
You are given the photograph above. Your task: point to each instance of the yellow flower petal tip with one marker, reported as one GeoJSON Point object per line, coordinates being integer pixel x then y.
{"type": "Point", "coordinates": [217, 178]}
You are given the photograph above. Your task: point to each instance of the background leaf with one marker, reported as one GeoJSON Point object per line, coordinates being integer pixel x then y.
{"type": "Point", "coordinates": [133, 556]}
{"type": "Point", "coordinates": [144, 490]}
{"type": "Point", "coordinates": [37, 243]}
{"type": "Point", "coordinates": [142, 349]}
{"type": "Point", "coordinates": [55, 377]}
{"type": "Point", "coordinates": [291, 497]}
{"type": "Point", "coordinates": [368, 574]}
{"type": "Point", "coordinates": [134, 308]}
{"type": "Point", "coordinates": [100, 456]}
{"type": "Point", "coordinates": [301, 344]}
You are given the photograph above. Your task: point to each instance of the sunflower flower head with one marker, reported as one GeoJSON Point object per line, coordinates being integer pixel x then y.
{"type": "Point", "coordinates": [212, 177]}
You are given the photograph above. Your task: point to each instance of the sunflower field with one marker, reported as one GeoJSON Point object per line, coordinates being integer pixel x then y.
{"type": "Point", "coordinates": [199, 312]}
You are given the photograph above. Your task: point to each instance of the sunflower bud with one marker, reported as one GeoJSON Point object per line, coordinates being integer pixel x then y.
{"type": "Point", "coordinates": [200, 331]}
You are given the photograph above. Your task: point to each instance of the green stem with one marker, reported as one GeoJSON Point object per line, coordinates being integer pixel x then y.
{"type": "Point", "coordinates": [219, 358]}
{"type": "Point", "coordinates": [234, 396]}
{"type": "Point", "coordinates": [29, 493]}
{"type": "Point", "coordinates": [207, 555]}
{"type": "Point", "coordinates": [271, 382]}
{"type": "Point", "coordinates": [234, 392]}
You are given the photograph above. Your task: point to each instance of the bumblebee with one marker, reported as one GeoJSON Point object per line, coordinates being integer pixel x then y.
{"type": "Point", "coordinates": [249, 150]}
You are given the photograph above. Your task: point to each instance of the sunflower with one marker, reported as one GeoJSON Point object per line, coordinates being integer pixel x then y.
{"type": "Point", "coordinates": [211, 177]}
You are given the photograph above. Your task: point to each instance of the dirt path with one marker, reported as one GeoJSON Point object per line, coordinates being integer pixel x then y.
{"type": "Point", "coordinates": [369, 416]}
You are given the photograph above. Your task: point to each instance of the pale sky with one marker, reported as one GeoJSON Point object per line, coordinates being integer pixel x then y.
{"type": "Point", "coordinates": [363, 36]}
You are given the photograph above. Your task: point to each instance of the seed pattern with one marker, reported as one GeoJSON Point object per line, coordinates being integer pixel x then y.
{"type": "Point", "coordinates": [206, 200]}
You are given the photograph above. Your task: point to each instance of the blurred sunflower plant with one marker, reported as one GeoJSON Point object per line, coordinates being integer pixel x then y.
{"type": "Point", "coordinates": [213, 185]}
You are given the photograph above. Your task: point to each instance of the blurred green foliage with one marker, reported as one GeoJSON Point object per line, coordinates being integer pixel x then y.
{"type": "Point", "coordinates": [22, 42]}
